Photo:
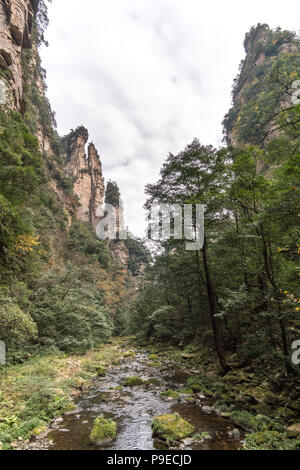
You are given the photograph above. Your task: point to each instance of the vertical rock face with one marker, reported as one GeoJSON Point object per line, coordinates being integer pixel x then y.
{"type": "Point", "coordinates": [86, 171]}
{"type": "Point", "coordinates": [120, 251]}
{"type": "Point", "coordinates": [265, 49]}
{"type": "Point", "coordinates": [97, 183]}
{"type": "Point", "coordinates": [16, 20]}
{"type": "Point", "coordinates": [81, 164]}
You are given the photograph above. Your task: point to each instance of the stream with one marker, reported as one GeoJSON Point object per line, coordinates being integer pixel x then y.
{"type": "Point", "coordinates": [134, 408]}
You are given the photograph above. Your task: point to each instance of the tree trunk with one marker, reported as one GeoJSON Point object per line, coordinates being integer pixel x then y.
{"type": "Point", "coordinates": [267, 254]}
{"type": "Point", "coordinates": [213, 311]}
{"type": "Point", "coordinates": [285, 349]}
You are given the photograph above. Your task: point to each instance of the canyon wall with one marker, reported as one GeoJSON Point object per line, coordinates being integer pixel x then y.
{"type": "Point", "coordinates": [20, 69]}
{"type": "Point", "coordinates": [16, 26]}
{"type": "Point", "coordinates": [262, 86]}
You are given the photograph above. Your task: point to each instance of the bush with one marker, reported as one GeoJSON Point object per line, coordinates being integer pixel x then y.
{"type": "Point", "coordinates": [165, 324]}
{"type": "Point", "coordinates": [16, 327]}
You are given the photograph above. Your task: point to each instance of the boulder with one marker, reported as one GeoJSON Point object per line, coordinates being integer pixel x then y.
{"type": "Point", "coordinates": [104, 432]}
{"type": "Point", "coordinates": [294, 428]}
{"type": "Point", "coordinates": [171, 428]}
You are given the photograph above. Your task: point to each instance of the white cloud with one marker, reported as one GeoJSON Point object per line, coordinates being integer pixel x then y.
{"type": "Point", "coordinates": [147, 76]}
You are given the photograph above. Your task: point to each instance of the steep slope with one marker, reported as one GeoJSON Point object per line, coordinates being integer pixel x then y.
{"type": "Point", "coordinates": [75, 173]}
{"type": "Point", "coordinates": [263, 86]}
{"type": "Point", "coordinates": [16, 30]}
{"type": "Point", "coordinates": [59, 285]}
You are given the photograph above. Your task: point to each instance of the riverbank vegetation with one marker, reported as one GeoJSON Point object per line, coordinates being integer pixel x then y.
{"type": "Point", "coordinates": [44, 387]}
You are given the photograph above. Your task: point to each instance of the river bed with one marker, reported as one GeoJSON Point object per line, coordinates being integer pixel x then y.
{"type": "Point", "coordinates": [134, 408]}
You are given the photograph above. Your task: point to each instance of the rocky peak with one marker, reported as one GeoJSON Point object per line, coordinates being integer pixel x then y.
{"type": "Point", "coordinates": [75, 148]}
{"type": "Point", "coordinates": [265, 48]}
{"type": "Point", "coordinates": [256, 34]}
{"type": "Point", "coordinates": [76, 170]}
{"type": "Point", "coordinates": [85, 168]}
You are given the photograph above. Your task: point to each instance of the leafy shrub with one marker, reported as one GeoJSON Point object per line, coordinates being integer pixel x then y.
{"type": "Point", "coordinates": [16, 327]}
{"type": "Point", "coordinates": [165, 324]}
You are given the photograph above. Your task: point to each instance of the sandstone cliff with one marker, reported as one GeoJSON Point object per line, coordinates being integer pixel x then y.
{"type": "Point", "coordinates": [85, 169]}
{"type": "Point", "coordinates": [16, 25]}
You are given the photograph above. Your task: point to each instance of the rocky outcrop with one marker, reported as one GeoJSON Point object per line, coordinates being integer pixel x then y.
{"type": "Point", "coordinates": [16, 24]}
{"type": "Point", "coordinates": [264, 48]}
{"type": "Point", "coordinates": [85, 169]}
{"type": "Point", "coordinates": [119, 250]}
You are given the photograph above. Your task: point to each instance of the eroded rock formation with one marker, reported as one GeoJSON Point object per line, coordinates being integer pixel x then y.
{"type": "Point", "coordinates": [75, 173]}
{"type": "Point", "coordinates": [85, 168]}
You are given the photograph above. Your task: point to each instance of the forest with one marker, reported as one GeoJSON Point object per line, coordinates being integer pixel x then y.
{"type": "Point", "coordinates": [230, 309]}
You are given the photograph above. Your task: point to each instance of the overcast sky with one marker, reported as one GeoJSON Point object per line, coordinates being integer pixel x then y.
{"type": "Point", "coordinates": [147, 76]}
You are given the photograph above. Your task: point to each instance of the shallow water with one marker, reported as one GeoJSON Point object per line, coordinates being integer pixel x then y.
{"type": "Point", "coordinates": [134, 408]}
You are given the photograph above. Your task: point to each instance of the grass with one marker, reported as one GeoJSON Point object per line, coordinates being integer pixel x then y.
{"type": "Point", "coordinates": [43, 388]}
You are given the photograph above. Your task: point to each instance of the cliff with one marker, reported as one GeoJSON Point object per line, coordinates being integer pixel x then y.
{"type": "Point", "coordinates": [85, 169]}
{"type": "Point", "coordinates": [73, 166]}
{"type": "Point", "coordinates": [16, 28]}
{"type": "Point", "coordinates": [263, 85]}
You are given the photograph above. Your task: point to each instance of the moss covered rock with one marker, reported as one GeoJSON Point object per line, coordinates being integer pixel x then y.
{"type": "Point", "coordinates": [169, 395]}
{"type": "Point", "coordinates": [295, 428]}
{"type": "Point", "coordinates": [153, 357]}
{"type": "Point", "coordinates": [104, 432]}
{"type": "Point", "coordinates": [133, 381]}
{"type": "Point", "coordinates": [101, 371]}
{"type": "Point", "coordinates": [171, 428]}
{"type": "Point", "coordinates": [155, 364]}
{"type": "Point", "coordinates": [203, 436]}
{"type": "Point", "coordinates": [129, 354]}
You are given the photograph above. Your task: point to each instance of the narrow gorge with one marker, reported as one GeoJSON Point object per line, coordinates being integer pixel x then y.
{"type": "Point", "coordinates": [142, 344]}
